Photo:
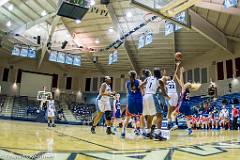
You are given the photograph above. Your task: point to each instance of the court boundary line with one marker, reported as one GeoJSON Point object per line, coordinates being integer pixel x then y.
{"type": "Point", "coordinates": [87, 141]}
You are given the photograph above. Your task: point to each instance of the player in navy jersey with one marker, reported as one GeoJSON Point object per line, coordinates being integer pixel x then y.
{"type": "Point", "coordinates": [184, 105]}
{"type": "Point", "coordinates": [116, 112]}
{"type": "Point", "coordinates": [135, 102]}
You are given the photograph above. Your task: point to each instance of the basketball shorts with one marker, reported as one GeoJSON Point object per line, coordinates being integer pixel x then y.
{"type": "Point", "coordinates": [162, 101]}
{"type": "Point", "coordinates": [173, 99]}
{"type": "Point", "coordinates": [135, 105]}
{"type": "Point", "coordinates": [185, 108]}
{"type": "Point", "coordinates": [50, 113]}
{"type": "Point", "coordinates": [103, 106]}
{"type": "Point", "coordinates": [151, 105]}
{"type": "Point", "coordinates": [118, 113]}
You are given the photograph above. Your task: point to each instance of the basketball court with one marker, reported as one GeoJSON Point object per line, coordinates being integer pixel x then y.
{"type": "Point", "coordinates": [63, 50]}
{"type": "Point", "coordinates": [25, 140]}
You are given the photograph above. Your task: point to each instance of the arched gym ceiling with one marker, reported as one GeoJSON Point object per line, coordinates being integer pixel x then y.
{"type": "Point", "coordinates": [27, 20]}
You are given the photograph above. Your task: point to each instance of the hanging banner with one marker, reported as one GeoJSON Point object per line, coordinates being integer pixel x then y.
{"type": "Point", "coordinates": [169, 28]}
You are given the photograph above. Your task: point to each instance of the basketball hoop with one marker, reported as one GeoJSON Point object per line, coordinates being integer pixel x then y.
{"type": "Point", "coordinates": [43, 95]}
{"type": "Point", "coordinates": [148, 16]}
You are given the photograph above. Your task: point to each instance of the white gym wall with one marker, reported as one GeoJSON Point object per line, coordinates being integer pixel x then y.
{"type": "Point", "coordinates": [31, 83]}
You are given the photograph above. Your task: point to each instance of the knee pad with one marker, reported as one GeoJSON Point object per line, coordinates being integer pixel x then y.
{"type": "Point", "coordinates": [108, 115]}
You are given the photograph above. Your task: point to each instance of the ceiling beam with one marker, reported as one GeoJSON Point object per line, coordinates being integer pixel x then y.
{"type": "Point", "coordinates": [180, 8]}
{"type": "Point", "coordinates": [219, 8]}
{"type": "Point", "coordinates": [237, 39]}
{"type": "Point", "coordinates": [198, 24]}
{"type": "Point", "coordinates": [210, 31]}
{"type": "Point", "coordinates": [2, 2]}
{"type": "Point", "coordinates": [157, 13]}
{"type": "Point", "coordinates": [88, 55]}
{"type": "Point", "coordinates": [171, 5]}
{"type": "Point", "coordinates": [29, 25]}
{"type": "Point", "coordinates": [11, 16]}
{"type": "Point", "coordinates": [119, 31]}
{"type": "Point", "coordinates": [44, 49]}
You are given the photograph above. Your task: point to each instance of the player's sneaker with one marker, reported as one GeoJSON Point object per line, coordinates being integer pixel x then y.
{"type": "Point", "coordinates": [170, 125]}
{"type": "Point", "coordinates": [49, 125]}
{"type": "Point", "coordinates": [137, 132]}
{"type": "Point", "coordinates": [159, 137]}
{"type": "Point", "coordinates": [123, 135]}
{"type": "Point", "coordinates": [53, 125]}
{"type": "Point", "coordinates": [108, 131]}
{"type": "Point", "coordinates": [93, 130]}
{"type": "Point", "coordinates": [149, 135]}
{"type": "Point", "coordinates": [189, 130]}
{"type": "Point", "coordinates": [114, 130]}
{"type": "Point", "coordinates": [174, 127]}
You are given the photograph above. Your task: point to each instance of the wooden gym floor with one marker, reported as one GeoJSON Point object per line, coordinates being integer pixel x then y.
{"type": "Point", "coordinates": [26, 140]}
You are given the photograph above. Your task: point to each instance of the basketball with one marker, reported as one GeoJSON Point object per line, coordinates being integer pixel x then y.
{"type": "Point", "coordinates": [178, 56]}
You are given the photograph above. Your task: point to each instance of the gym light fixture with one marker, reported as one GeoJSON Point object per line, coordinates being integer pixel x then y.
{"type": "Point", "coordinates": [8, 24]}
{"type": "Point", "coordinates": [92, 2]}
{"type": "Point", "coordinates": [78, 21]}
{"type": "Point", "coordinates": [43, 13]}
{"type": "Point", "coordinates": [10, 7]}
{"type": "Point", "coordinates": [97, 41]}
{"type": "Point", "coordinates": [110, 30]}
{"type": "Point", "coordinates": [129, 14]}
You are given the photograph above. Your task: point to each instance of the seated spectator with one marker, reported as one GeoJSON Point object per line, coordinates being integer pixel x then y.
{"type": "Point", "coordinates": [224, 118]}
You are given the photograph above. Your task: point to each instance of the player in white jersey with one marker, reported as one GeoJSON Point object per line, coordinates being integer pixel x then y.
{"type": "Point", "coordinates": [103, 105]}
{"type": "Point", "coordinates": [151, 105]}
{"type": "Point", "coordinates": [172, 102]}
{"type": "Point", "coordinates": [51, 112]}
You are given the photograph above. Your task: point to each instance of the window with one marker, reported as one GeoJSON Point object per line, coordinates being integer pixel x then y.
{"type": "Point", "coordinates": [220, 71]}
{"type": "Point", "coordinates": [88, 84]}
{"type": "Point", "coordinates": [69, 83]}
{"type": "Point", "coordinates": [5, 74]}
{"type": "Point", "coordinates": [184, 77]}
{"type": "Point", "coordinates": [189, 75]}
{"type": "Point", "coordinates": [19, 76]}
{"type": "Point", "coordinates": [196, 75]}
{"type": "Point", "coordinates": [55, 81]}
{"type": "Point", "coordinates": [204, 75]}
{"type": "Point", "coordinates": [229, 68]}
{"type": "Point", "coordinates": [237, 64]}
{"type": "Point", "coordinates": [95, 84]}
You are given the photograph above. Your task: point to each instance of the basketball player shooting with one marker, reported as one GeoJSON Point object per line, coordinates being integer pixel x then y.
{"type": "Point", "coordinates": [184, 105]}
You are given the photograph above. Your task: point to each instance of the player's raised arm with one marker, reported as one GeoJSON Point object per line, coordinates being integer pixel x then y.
{"type": "Point", "coordinates": [163, 88]}
{"type": "Point", "coordinates": [142, 83]}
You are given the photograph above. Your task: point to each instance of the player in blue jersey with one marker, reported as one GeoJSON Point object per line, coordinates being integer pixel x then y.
{"type": "Point", "coordinates": [116, 112]}
{"type": "Point", "coordinates": [135, 102]}
{"type": "Point", "coordinates": [184, 105]}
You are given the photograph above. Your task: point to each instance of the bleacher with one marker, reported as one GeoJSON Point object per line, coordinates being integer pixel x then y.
{"type": "Point", "coordinates": [32, 108]}
{"type": "Point", "coordinates": [199, 106]}
{"type": "Point", "coordinates": [2, 100]}
{"type": "Point", "coordinates": [229, 98]}
{"type": "Point", "coordinates": [19, 107]}
{"type": "Point", "coordinates": [83, 112]}
{"type": "Point", "coordinates": [26, 109]}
